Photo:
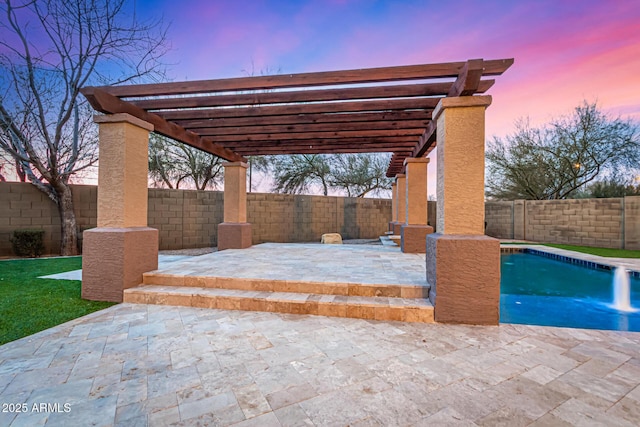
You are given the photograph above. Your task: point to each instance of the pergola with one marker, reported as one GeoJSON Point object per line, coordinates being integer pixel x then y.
{"type": "Point", "coordinates": [390, 109]}
{"type": "Point", "coordinates": [354, 111]}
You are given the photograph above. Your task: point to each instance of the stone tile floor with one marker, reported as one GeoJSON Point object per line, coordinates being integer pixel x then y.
{"type": "Point", "coordinates": [138, 365]}
{"type": "Point", "coordinates": [308, 262]}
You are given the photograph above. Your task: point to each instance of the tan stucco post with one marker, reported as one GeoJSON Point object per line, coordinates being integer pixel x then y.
{"type": "Point", "coordinates": [463, 265]}
{"type": "Point", "coordinates": [401, 207]}
{"type": "Point", "coordinates": [394, 203]}
{"type": "Point", "coordinates": [235, 232]}
{"type": "Point", "coordinates": [122, 247]}
{"type": "Point", "coordinates": [415, 230]}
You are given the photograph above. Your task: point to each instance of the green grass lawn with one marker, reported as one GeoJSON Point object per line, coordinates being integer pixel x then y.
{"type": "Point", "coordinates": [29, 305]}
{"type": "Point", "coordinates": [604, 252]}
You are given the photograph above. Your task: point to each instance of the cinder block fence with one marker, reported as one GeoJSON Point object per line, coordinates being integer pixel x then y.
{"type": "Point", "coordinates": [606, 223]}
{"type": "Point", "coordinates": [189, 219]}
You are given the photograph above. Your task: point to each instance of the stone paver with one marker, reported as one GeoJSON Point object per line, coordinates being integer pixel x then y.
{"type": "Point", "coordinates": [139, 365]}
{"type": "Point", "coordinates": [364, 264]}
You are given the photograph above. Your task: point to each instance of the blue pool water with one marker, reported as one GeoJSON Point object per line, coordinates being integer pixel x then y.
{"type": "Point", "coordinates": [540, 291]}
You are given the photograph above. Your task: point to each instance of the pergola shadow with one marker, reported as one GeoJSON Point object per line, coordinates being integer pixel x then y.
{"type": "Point", "coordinates": [403, 110]}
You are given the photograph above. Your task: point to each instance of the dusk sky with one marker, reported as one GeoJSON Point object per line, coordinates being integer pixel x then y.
{"type": "Point", "coordinates": [564, 51]}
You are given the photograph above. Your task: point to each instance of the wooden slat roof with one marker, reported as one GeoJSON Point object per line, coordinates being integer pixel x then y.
{"type": "Point", "coordinates": [352, 111]}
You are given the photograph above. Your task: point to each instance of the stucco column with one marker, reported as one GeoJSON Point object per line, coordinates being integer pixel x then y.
{"type": "Point", "coordinates": [463, 265]}
{"type": "Point", "coordinates": [122, 247]}
{"type": "Point", "coordinates": [401, 208]}
{"type": "Point", "coordinates": [415, 230]}
{"type": "Point", "coordinates": [234, 232]}
{"type": "Point", "coordinates": [394, 203]}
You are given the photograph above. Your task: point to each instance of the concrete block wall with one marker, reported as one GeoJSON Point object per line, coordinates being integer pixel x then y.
{"type": "Point", "coordinates": [189, 219]}
{"type": "Point", "coordinates": [607, 223]}
{"type": "Point", "coordinates": [588, 222]}
{"type": "Point", "coordinates": [499, 219]}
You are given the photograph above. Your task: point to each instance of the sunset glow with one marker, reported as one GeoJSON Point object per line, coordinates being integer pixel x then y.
{"type": "Point", "coordinates": [565, 52]}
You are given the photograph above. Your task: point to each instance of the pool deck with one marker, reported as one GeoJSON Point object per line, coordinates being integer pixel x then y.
{"type": "Point", "coordinates": [139, 365]}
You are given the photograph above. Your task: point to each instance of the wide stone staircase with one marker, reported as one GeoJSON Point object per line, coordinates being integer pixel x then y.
{"type": "Point", "coordinates": [408, 303]}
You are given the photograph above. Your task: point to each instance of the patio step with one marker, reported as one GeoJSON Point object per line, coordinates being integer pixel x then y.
{"type": "Point", "coordinates": [289, 286]}
{"type": "Point", "coordinates": [376, 308]}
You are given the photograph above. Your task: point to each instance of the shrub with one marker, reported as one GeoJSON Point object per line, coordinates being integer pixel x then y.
{"type": "Point", "coordinates": [28, 243]}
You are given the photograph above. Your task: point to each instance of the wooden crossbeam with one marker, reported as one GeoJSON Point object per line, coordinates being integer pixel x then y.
{"type": "Point", "coordinates": [319, 135]}
{"type": "Point", "coordinates": [109, 104]}
{"type": "Point", "coordinates": [262, 98]}
{"type": "Point", "coordinates": [326, 107]}
{"type": "Point", "coordinates": [370, 75]}
{"type": "Point", "coordinates": [468, 80]}
{"type": "Point", "coordinates": [427, 139]}
{"type": "Point", "coordinates": [266, 151]}
{"type": "Point", "coordinates": [404, 140]}
{"type": "Point", "coordinates": [301, 119]}
{"type": "Point", "coordinates": [414, 125]}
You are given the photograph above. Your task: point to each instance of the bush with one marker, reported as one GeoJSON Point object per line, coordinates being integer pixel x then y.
{"type": "Point", "coordinates": [28, 243]}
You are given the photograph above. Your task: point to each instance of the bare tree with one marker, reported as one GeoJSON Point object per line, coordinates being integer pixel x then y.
{"type": "Point", "coordinates": [49, 50]}
{"type": "Point", "coordinates": [554, 161]}
{"type": "Point", "coordinates": [174, 164]}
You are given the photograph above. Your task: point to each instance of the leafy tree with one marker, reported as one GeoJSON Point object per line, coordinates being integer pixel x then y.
{"type": "Point", "coordinates": [354, 174]}
{"type": "Point", "coordinates": [49, 49]}
{"type": "Point", "coordinates": [360, 174]}
{"type": "Point", "coordinates": [611, 187]}
{"type": "Point", "coordinates": [174, 164]}
{"type": "Point", "coordinates": [298, 173]}
{"type": "Point", "coordinates": [554, 161]}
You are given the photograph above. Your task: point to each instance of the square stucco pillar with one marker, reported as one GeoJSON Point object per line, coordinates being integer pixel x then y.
{"type": "Point", "coordinates": [401, 187]}
{"type": "Point", "coordinates": [463, 265]}
{"type": "Point", "coordinates": [394, 202]}
{"type": "Point", "coordinates": [122, 247]}
{"type": "Point", "coordinates": [235, 231]}
{"type": "Point", "coordinates": [415, 229]}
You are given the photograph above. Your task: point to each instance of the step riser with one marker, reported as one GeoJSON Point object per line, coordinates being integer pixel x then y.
{"type": "Point", "coordinates": [333, 309]}
{"type": "Point", "coordinates": [262, 285]}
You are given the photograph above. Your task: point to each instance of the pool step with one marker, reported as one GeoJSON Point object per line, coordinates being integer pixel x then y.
{"type": "Point", "coordinates": [363, 307]}
{"type": "Point", "coordinates": [268, 285]}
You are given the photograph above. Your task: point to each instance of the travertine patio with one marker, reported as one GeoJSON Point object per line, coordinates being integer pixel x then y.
{"type": "Point", "coordinates": [136, 365]}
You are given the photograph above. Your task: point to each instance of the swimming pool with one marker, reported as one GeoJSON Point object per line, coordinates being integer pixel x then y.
{"type": "Point", "coordinates": [540, 291]}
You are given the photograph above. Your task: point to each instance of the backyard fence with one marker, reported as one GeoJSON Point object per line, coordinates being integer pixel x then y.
{"type": "Point", "coordinates": [606, 223]}
{"type": "Point", "coordinates": [189, 219]}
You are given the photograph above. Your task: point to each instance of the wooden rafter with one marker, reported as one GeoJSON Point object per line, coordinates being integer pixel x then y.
{"type": "Point", "coordinates": [320, 107]}
{"type": "Point", "coordinates": [303, 119]}
{"type": "Point", "coordinates": [369, 75]}
{"type": "Point", "coordinates": [262, 98]}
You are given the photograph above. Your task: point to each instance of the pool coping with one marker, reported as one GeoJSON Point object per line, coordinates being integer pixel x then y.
{"type": "Point", "coordinates": [578, 258]}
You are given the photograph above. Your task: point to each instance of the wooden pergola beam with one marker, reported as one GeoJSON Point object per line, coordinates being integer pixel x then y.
{"type": "Point", "coordinates": [415, 126]}
{"type": "Point", "coordinates": [323, 107]}
{"type": "Point", "coordinates": [109, 104]}
{"type": "Point", "coordinates": [404, 140]}
{"type": "Point", "coordinates": [468, 81]}
{"type": "Point", "coordinates": [262, 98]}
{"type": "Point", "coordinates": [319, 135]}
{"type": "Point", "coordinates": [302, 119]}
{"type": "Point", "coordinates": [370, 75]}
{"type": "Point", "coordinates": [268, 151]}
